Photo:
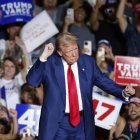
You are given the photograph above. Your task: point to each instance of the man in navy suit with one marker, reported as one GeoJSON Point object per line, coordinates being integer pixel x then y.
{"type": "Point", "coordinates": [51, 70]}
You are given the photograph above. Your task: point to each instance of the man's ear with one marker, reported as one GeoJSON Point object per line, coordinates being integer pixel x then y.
{"type": "Point", "coordinates": [59, 52]}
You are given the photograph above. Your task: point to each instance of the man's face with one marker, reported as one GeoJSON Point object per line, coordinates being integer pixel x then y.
{"type": "Point", "coordinates": [69, 53]}
{"type": "Point", "coordinates": [133, 111]}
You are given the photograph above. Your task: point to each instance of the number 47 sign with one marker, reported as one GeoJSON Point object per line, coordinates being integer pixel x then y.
{"type": "Point", "coordinates": [106, 110]}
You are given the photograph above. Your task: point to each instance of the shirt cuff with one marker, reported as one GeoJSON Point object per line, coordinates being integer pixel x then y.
{"type": "Point", "coordinates": [125, 96]}
{"type": "Point", "coordinates": [42, 60]}
{"type": "Point", "coordinates": [29, 67]}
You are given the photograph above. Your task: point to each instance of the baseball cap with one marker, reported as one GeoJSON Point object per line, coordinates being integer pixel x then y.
{"type": "Point", "coordinates": [110, 3]}
{"type": "Point", "coordinates": [104, 41]}
{"type": "Point", "coordinates": [135, 100]}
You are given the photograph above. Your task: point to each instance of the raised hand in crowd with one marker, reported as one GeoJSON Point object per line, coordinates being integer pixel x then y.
{"type": "Point", "coordinates": [26, 61]}
{"type": "Point", "coordinates": [14, 123]}
{"type": "Point", "coordinates": [95, 14]}
{"type": "Point", "coordinates": [10, 126]}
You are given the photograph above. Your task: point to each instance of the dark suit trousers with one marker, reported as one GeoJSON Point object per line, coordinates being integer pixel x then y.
{"type": "Point", "coordinates": [67, 132]}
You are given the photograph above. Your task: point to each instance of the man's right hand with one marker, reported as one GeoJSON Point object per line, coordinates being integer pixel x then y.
{"type": "Point", "coordinates": [49, 48]}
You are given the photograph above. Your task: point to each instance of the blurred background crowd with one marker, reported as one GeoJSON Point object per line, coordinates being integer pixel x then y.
{"type": "Point", "coordinates": [111, 27]}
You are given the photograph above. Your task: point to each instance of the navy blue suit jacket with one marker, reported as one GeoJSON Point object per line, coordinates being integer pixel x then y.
{"type": "Point", "coordinates": [51, 74]}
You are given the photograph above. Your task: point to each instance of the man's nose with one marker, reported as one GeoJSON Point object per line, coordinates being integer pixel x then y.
{"type": "Point", "coordinates": [73, 53]}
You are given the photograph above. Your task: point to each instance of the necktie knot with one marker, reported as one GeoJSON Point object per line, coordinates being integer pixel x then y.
{"type": "Point", "coordinates": [69, 65]}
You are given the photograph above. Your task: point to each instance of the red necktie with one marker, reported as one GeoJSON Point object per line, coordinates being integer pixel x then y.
{"type": "Point", "coordinates": [73, 98]}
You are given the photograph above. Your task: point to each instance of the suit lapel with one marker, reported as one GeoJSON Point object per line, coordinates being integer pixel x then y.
{"type": "Point", "coordinates": [84, 86]}
{"type": "Point", "coordinates": [82, 76]}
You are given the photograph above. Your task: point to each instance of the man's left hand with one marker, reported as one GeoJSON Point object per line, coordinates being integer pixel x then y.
{"type": "Point", "coordinates": [129, 91]}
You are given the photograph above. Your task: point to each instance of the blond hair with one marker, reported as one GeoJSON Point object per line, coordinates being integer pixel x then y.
{"type": "Point", "coordinates": [65, 39]}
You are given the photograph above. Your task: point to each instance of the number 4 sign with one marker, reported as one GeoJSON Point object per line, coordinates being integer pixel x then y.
{"type": "Point", "coordinates": [28, 116]}
{"type": "Point", "coordinates": [106, 110]}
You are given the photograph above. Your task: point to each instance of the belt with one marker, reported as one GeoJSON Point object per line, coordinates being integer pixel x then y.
{"type": "Point", "coordinates": [81, 113]}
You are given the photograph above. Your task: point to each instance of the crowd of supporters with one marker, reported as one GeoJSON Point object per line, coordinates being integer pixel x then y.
{"type": "Point", "coordinates": [111, 25]}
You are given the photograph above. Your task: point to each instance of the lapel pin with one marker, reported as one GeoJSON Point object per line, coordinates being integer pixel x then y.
{"type": "Point", "coordinates": [83, 69]}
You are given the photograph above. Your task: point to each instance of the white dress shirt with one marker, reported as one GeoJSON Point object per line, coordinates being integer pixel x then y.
{"type": "Point", "coordinates": [76, 75]}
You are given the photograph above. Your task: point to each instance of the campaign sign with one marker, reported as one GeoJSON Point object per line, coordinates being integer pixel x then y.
{"type": "Point", "coordinates": [28, 116]}
{"type": "Point", "coordinates": [3, 96]}
{"type": "Point", "coordinates": [37, 31]}
{"type": "Point", "coordinates": [127, 70]}
{"type": "Point", "coordinates": [106, 110]}
{"type": "Point", "coordinates": [15, 11]}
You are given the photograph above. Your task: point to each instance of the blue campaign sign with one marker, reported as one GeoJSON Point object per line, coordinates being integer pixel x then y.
{"type": "Point", "coordinates": [12, 11]}
{"type": "Point", "coordinates": [28, 116]}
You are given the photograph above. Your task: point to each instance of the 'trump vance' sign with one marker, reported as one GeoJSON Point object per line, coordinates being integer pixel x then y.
{"type": "Point", "coordinates": [127, 70]}
{"type": "Point", "coordinates": [15, 11]}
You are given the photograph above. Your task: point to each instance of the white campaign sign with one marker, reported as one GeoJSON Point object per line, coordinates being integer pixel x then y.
{"type": "Point", "coordinates": [106, 110]}
{"type": "Point", "coordinates": [37, 31]}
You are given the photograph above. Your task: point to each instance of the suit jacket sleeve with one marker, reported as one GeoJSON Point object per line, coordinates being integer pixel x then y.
{"type": "Point", "coordinates": [107, 84]}
{"type": "Point", "coordinates": [35, 74]}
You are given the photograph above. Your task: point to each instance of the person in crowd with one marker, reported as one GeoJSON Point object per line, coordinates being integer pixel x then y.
{"type": "Point", "coordinates": [104, 54]}
{"type": "Point", "coordinates": [9, 84]}
{"type": "Point", "coordinates": [68, 78]}
{"type": "Point", "coordinates": [55, 11]}
{"type": "Point", "coordinates": [29, 95]}
{"type": "Point", "coordinates": [37, 9]}
{"type": "Point", "coordinates": [12, 79]}
{"type": "Point", "coordinates": [130, 31]}
{"type": "Point", "coordinates": [4, 126]}
{"type": "Point", "coordinates": [8, 124]}
{"type": "Point", "coordinates": [78, 3]}
{"type": "Point", "coordinates": [104, 23]}
{"type": "Point", "coordinates": [128, 125]}
{"type": "Point", "coordinates": [11, 48]}
{"type": "Point", "coordinates": [80, 28]}
{"type": "Point", "coordinates": [105, 61]}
